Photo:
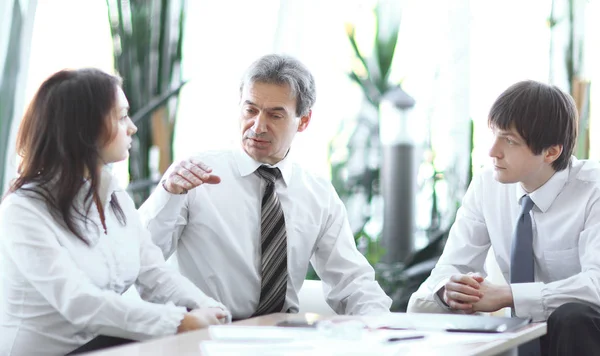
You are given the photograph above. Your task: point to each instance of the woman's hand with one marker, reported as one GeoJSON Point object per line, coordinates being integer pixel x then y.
{"type": "Point", "coordinates": [202, 318]}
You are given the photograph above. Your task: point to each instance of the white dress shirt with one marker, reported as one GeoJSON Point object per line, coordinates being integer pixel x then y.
{"type": "Point", "coordinates": [57, 293]}
{"type": "Point", "coordinates": [215, 230]}
{"type": "Point", "coordinates": [566, 240]}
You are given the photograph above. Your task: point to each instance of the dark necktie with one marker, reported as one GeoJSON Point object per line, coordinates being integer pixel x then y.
{"type": "Point", "coordinates": [273, 247]}
{"type": "Point", "coordinates": [521, 262]}
{"type": "Point", "coordinates": [521, 256]}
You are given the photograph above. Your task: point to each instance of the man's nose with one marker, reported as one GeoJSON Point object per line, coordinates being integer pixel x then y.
{"type": "Point", "coordinates": [495, 150]}
{"type": "Point", "coordinates": [260, 124]}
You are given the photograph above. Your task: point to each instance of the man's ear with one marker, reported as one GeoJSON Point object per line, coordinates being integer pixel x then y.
{"type": "Point", "coordinates": [552, 153]}
{"type": "Point", "coordinates": [304, 121]}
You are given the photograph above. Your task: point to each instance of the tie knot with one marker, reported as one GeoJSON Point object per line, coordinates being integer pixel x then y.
{"type": "Point", "coordinates": [269, 174]}
{"type": "Point", "coordinates": [526, 204]}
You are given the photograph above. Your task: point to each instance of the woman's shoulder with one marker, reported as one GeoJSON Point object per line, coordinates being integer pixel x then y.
{"type": "Point", "coordinates": [23, 206]}
{"type": "Point", "coordinates": [27, 197]}
{"type": "Point", "coordinates": [124, 199]}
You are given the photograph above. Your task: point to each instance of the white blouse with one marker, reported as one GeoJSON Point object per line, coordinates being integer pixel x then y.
{"type": "Point", "coordinates": [58, 293]}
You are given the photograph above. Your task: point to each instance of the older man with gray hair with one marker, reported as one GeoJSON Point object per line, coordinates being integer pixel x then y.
{"type": "Point", "coordinates": [244, 224]}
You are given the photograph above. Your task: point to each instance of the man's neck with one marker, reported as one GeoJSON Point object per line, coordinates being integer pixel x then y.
{"type": "Point", "coordinates": [538, 181]}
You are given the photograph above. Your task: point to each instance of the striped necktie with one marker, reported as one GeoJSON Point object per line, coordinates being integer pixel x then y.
{"type": "Point", "coordinates": [273, 247]}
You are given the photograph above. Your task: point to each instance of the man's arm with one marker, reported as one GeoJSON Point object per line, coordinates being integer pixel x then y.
{"type": "Point", "coordinates": [165, 212]}
{"type": "Point", "coordinates": [465, 252]}
{"type": "Point", "coordinates": [349, 278]}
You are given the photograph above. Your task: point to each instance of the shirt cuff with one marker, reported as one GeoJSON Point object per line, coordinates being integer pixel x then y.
{"type": "Point", "coordinates": [436, 295]}
{"type": "Point", "coordinates": [172, 320]}
{"type": "Point", "coordinates": [161, 200]}
{"type": "Point", "coordinates": [160, 320]}
{"type": "Point", "coordinates": [211, 303]}
{"type": "Point", "coordinates": [527, 300]}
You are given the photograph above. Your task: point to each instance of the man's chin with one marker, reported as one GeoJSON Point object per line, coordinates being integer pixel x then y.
{"type": "Point", "coordinates": [256, 153]}
{"type": "Point", "coordinates": [502, 178]}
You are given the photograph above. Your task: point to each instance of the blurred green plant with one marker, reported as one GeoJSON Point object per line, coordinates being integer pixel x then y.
{"type": "Point", "coordinates": [8, 84]}
{"type": "Point", "coordinates": [355, 156]}
{"type": "Point", "coordinates": [148, 39]}
{"type": "Point", "coordinates": [355, 152]}
{"type": "Point", "coordinates": [372, 73]}
{"type": "Point", "coordinates": [401, 280]}
{"type": "Point", "coordinates": [573, 57]}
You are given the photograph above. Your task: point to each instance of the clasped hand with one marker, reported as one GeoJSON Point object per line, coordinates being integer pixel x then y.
{"type": "Point", "coordinates": [472, 293]}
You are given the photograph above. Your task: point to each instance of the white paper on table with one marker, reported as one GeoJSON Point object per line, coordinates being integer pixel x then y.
{"type": "Point", "coordinates": [279, 341]}
{"type": "Point", "coordinates": [445, 338]}
{"type": "Point", "coordinates": [295, 348]}
{"type": "Point", "coordinates": [260, 333]}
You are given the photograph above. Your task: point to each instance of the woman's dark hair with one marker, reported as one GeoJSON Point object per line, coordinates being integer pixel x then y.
{"type": "Point", "coordinates": [67, 123]}
{"type": "Point", "coordinates": [542, 114]}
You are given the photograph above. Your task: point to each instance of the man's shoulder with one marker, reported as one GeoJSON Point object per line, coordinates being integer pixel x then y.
{"type": "Point", "coordinates": [213, 157]}
{"type": "Point", "coordinates": [309, 178]}
{"type": "Point", "coordinates": [585, 171]}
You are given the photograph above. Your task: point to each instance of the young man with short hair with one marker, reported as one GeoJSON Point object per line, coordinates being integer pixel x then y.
{"type": "Point", "coordinates": [539, 208]}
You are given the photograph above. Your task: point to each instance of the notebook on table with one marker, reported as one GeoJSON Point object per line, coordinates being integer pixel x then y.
{"type": "Point", "coordinates": [452, 322]}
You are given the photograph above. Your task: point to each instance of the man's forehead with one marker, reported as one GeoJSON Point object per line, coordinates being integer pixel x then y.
{"type": "Point", "coordinates": [511, 132]}
{"type": "Point", "coordinates": [268, 94]}
{"type": "Point", "coordinates": [505, 131]}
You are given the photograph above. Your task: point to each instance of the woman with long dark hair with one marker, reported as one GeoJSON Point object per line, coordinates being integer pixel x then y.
{"type": "Point", "coordinates": [71, 241]}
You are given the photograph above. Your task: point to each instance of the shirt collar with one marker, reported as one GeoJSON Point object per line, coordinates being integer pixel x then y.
{"type": "Point", "coordinates": [108, 185]}
{"type": "Point", "coordinates": [544, 196]}
{"type": "Point", "coordinates": [247, 165]}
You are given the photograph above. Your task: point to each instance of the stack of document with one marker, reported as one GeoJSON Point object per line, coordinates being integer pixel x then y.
{"type": "Point", "coordinates": [287, 341]}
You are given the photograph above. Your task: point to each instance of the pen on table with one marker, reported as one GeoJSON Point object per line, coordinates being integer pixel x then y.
{"type": "Point", "coordinates": [402, 338]}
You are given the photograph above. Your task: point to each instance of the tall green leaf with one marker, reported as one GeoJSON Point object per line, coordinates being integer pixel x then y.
{"type": "Point", "coordinates": [8, 85]}
{"type": "Point", "coordinates": [386, 36]}
{"type": "Point", "coordinates": [148, 37]}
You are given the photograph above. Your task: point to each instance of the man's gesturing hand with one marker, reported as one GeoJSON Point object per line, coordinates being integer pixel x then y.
{"type": "Point", "coordinates": [189, 174]}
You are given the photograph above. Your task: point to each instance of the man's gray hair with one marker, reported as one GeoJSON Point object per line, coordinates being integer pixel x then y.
{"type": "Point", "coordinates": [281, 69]}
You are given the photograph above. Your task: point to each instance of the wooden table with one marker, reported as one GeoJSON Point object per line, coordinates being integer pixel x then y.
{"type": "Point", "coordinates": [188, 343]}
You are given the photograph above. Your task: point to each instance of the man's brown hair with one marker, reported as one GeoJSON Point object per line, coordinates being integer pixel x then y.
{"type": "Point", "coordinates": [542, 114]}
